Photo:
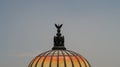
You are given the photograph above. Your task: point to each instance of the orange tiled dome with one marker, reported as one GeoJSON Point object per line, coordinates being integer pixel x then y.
{"type": "Point", "coordinates": [59, 56]}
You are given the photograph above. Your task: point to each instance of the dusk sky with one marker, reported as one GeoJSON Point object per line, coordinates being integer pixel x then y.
{"type": "Point", "coordinates": [90, 27]}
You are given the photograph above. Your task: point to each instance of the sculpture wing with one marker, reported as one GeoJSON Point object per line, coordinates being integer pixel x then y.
{"type": "Point", "coordinates": [56, 26]}
{"type": "Point", "coordinates": [60, 26]}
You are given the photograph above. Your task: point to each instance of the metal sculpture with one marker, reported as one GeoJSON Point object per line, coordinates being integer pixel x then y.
{"type": "Point", "coordinates": [58, 39]}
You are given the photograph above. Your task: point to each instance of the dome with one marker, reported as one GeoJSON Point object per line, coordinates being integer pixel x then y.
{"type": "Point", "coordinates": [59, 56]}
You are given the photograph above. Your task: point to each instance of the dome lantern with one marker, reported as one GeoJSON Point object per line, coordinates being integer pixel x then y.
{"type": "Point", "coordinates": [59, 56]}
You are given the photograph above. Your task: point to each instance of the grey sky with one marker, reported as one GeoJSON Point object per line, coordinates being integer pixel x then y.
{"type": "Point", "coordinates": [91, 28]}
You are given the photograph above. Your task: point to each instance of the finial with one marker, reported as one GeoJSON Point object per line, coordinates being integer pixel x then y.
{"type": "Point", "coordinates": [58, 26]}
{"type": "Point", "coordinates": [58, 39]}
{"type": "Point", "coordinates": [58, 29]}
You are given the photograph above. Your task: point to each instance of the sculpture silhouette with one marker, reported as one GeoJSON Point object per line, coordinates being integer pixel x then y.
{"type": "Point", "coordinates": [58, 39]}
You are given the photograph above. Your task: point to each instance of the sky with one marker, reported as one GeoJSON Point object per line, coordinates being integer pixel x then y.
{"type": "Point", "coordinates": [90, 27]}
